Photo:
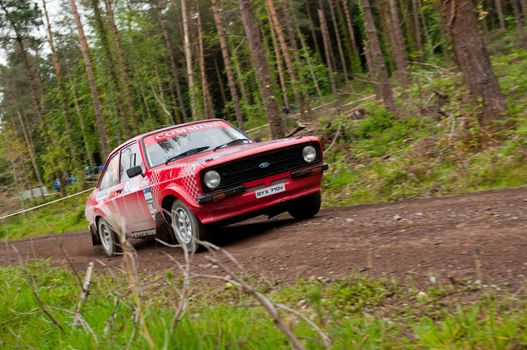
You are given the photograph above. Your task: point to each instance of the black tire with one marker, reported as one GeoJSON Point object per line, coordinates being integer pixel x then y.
{"type": "Point", "coordinates": [109, 239]}
{"type": "Point", "coordinates": [187, 228]}
{"type": "Point", "coordinates": [305, 207]}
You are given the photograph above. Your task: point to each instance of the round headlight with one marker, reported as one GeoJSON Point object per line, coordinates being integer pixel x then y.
{"type": "Point", "coordinates": [309, 153]}
{"type": "Point", "coordinates": [212, 179]}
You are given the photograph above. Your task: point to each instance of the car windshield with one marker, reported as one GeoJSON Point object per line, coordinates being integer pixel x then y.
{"type": "Point", "coordinates": [182, 142]}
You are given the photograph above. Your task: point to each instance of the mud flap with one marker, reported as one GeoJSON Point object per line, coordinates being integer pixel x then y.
{"type": "Point", "coordinates": [163, 230]}
{"type": "Point", "coordinates": [95, 239]}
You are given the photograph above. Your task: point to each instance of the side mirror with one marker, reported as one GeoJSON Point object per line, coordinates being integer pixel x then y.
{"type": "Point", "coordinates": [134, 171]}
{"type": "Point", "coordinates": [257, 139]}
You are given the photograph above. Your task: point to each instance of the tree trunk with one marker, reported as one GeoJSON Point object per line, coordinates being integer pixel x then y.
{"type": "Point", "coordinates": [227, 62]}
{"type": "Point", "coordinates": [337, 37]}
{"type": "Point", "coordinates": [398, 46]}
{"type": "Point", "coordinates": [197, 112]}
{"type": "Point", "coordinates": [161, 101]}
{"type": "Point", "coordinates": [239, 74]}
{"type": "Point", "coordinates": [121, 62]}
{"type": "Point", "coordinates": [18, 186]}
{"type": "Point", "coordinates": [31, 77]}
{"type": "Point", "coordinates": [499, 12]}
{"type": "Point", "coordinates": [60, 82]}
{"type": "Point", "coordinates": [327, 50]}
{"type": "Point", "coordinates": [101, 126]}
{"type": "Point", "coordinates": [207, 98]}
{"type": "Point", "coordinates": [473, 58]}
{"type": "Point", "coordinates": [147, 108]}
{"type": "Point", "coordinates": [219, 79]}
{"type": "Point", "coordinates": [291, 69]}
{"type": "Point", "coordinates": [447, 55]}
{"type": "Point", "coordinates": [307, 56]}
{"type": "Point", "coordinates": [111, 66]}
{"type": "Point", "coordinates": [85, 136]}
{"type": "Point", "coordinates": [381, 73]}
{"type": "Point", "coordinates": [371, 71]}
{"type": "Point", "coordinates": [173, 63]}
{"type": "Point", "coordinates": [426, 33]}
{"type": "Point", "coordinates": [31, 150]}
{"type": "Point", "coordinates": [261, 67]}
{"type": "Point", "coordinates": [280, 68]}
{"type": "Point", "coordinates": [416, 9]}
{"type": "Point", "coordinates": [347, 15]}
{"type": "Point", "coordinates": [519, 24]}
{"type": "Point", "coordinates": [312, 28]}
{"type": "Point", "coordinates": [290, 23]}
{"type": "Point", "coordinates": [321, 4]}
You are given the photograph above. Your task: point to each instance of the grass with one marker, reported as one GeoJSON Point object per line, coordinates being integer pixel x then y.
{"type": "Point", "coordinates": [354, 311]}
{"type": "Point", "coordinates": [61, 217]}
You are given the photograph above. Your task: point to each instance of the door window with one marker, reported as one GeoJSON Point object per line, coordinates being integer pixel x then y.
{"type": "Point", "coordinates": [130, 157]}
{"type": "Point", "coordinates": [110, 177]}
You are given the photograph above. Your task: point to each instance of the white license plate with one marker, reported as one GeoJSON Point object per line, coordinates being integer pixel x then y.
{"type": "Point", "coordinates": [264, 192]}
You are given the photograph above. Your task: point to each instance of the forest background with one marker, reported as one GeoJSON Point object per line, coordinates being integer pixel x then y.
{"type": "Point", "coordinates": [449, 76]}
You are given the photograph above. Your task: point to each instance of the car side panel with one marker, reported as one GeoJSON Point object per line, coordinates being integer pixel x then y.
{"type": "Point", "coordinates": [134, 206]}
{"type": "Point", "coordinates": [107, 207]}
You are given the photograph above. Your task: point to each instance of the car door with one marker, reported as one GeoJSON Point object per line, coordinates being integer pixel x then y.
{"type": "Point", "coordinates": [108, 192]}
{"type": "Point", "coordinates": [133, 205]}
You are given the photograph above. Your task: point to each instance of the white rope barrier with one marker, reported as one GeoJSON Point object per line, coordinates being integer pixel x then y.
{"type": "Point", "coordinates": [44, 205]}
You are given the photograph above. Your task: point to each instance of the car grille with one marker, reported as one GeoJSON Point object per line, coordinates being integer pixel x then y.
{"type": "Point", "coordinates": [247, 169]}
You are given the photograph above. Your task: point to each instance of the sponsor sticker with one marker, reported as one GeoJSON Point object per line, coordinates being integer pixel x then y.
{"type": "Point", "coordinates": [132, 185]}
{"type": "Point", "coordinates": [150, 201]}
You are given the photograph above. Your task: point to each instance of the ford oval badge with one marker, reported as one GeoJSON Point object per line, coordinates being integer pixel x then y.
{"type": "Point", "coordinates": [264, 165]}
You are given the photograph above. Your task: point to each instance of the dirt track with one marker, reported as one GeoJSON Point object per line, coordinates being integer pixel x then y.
{"type": "Point", "coordinates": [469, 237]}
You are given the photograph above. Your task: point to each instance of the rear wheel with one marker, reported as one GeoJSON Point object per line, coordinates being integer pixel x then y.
{"type": "Point", "coordinates": [109, 239]}
{"type": "Point", "coordinates": [187, 228]}
{"type": "Point", "coordinates": [305, 207]}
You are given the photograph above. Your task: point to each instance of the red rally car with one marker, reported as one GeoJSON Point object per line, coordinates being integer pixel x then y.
{"type": "Point", "coordinates": [176, 183]}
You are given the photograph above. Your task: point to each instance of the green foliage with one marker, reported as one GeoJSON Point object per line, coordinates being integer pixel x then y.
{"type": "Point", "coordinates": [382, 157]}
{"type": "Point", "coordinates": [355, 312]}
{"type": "Point", "coordinates": [24, 14]}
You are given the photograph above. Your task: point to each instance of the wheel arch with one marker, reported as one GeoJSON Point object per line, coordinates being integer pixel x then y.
{"type": "Point", "coordinates": [173, 193]}
{"type": "Point", "coordinates": [166, 205]}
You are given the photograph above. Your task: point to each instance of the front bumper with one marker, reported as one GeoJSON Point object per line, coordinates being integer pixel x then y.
{"type": "Point", "coordinates": [241, 200]}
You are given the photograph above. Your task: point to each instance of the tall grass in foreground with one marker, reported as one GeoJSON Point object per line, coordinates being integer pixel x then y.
{"type": "Point", "coordinates": [355, 312]}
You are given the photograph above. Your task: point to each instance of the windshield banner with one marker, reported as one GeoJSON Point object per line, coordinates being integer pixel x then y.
{"type": "Point", "coordinates": [168, 134]}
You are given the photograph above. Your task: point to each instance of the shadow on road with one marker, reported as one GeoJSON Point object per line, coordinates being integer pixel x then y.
{"type": "Point", "coordinates": [248, 230]}
{"type": "Point", "coordinates": [231, 235]}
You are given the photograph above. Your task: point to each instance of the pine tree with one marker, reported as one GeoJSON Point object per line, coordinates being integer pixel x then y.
{"type": "Point", "coordinates": [261, 68]}
{"type": "Point", "coordinates": [473, 58]}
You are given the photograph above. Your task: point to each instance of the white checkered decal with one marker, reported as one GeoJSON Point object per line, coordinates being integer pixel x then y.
{"type": "Point", "coordinates": [190, 181]}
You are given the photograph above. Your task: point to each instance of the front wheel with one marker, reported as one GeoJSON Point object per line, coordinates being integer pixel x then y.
{"type": "Point", "coordinates": [187, 228]}
{"type": "Point", "coordinates": [109, 239]}
{"type": "Point", "coordinates": [305, 207]}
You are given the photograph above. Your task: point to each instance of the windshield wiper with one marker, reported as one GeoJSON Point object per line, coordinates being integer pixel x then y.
{"type": "Point", "coordinates": [231, 143]}
{"type": "Point", "coordinates": [187, 153]}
